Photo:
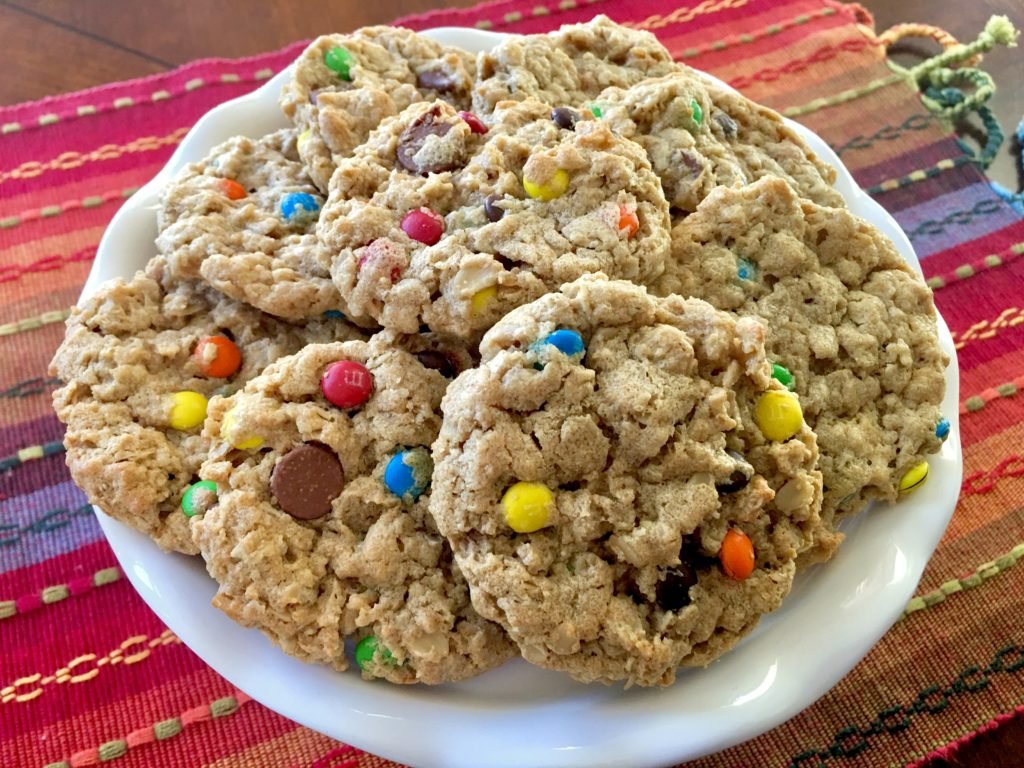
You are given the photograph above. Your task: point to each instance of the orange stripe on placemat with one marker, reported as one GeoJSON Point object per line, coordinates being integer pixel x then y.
{"type": "Point", "coordinates": [84, 668]}
{"type": "Point", "coordinates": [12, 272]}
{"type": "Point", "coordinates": [56, 209]}
{"type": "Point", "coordinates": [975, 403]}
{"type": "Point", "coordinates": [304, 749]}
{"type": "Point", "coordinates": [72, 160]}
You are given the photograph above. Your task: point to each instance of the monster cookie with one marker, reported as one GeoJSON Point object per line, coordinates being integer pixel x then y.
{"type": "Point", "coordinates": [623, 484]}
{"type": "Point", "coordinates": [314, 521]}
{"type": "Point", "coordinates": [850, 327]}
{"type": "Point", "coordinates": [698, 138]}
{"type": "Point", "coordinates": [568, 67]}
{"type": "Point", "coordinates": [438, 222]}
{"type": "Point", "coordinates": [138, 363]}
{"type": "Point", "coordinates": [345, 85]}
{"type": "Point", "coordinates": [243, 221]}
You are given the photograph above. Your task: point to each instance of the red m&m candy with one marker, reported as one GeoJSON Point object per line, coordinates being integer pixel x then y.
{"type": "Point", "coordinates": [423, 226]}
{"type": "Point", "coordinates": [347, 383]}
{"type": "Point", "coordinates": [217, 356]}
{"type": "Point", "coordinates": [475, 124]}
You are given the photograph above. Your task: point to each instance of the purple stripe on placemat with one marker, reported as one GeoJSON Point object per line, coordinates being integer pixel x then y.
{"type": "Point", "coordinates": [49, 522]}
{"type": "Point", "coordinates": [956, 217]}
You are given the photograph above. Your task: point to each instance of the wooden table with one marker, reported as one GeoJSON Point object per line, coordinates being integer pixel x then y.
{"type": "Point", "coordinates": [63, 45]}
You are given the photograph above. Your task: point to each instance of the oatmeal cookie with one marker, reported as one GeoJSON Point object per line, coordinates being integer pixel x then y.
{"type": "Point", "coordinates": [313, 518]}
{"type": "Point", "coordinates": [568, 67]}
{"type": "Point", "coordinates": [848, 321]}
{"type": "Point", "coordinates": [345, 85]}
{"type": "Point", "coordinates": [623, 484]}
{"type": "Point", "coordinates": [699, 136]}
{"type": "Point", "coordinates": [138, 362]}
{"type": "Point", "coordinates": [437, 222]}
{"type": "Point", "coordinates": [243, 220]}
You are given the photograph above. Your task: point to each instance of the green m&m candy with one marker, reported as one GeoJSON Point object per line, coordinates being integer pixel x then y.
{"type": "Point", "coordinates": [366, 650]}
{"type": "Point", "coordinates": [783, 376]}
{"type": "Point", "coordinates": [199, 497]}
{"type": "Point", "coordinates": [339, 61]}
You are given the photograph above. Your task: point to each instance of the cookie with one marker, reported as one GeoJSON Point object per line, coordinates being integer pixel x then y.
{"type": "Point", "coordinates": [315, 522]}
{"type": "Point", "coordinates": [568, 67]}
{"type": "Point", "coordinates": [243, 220]}
{"type": "Point", "coordinates": [623, 484]}
{"type": "Point", "coordinates": [433, 222]}
{"type": "Point", "coordinates": [699, 137]}
{"type": "Point", "coordinates": [345, 85]}
{"type": "Point", "coordinates": [852, 325]}
{"type": "Point", "coordinates": [139, 362]}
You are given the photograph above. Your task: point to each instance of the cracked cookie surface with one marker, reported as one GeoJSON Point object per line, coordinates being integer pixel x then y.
{"type": "Point", "coordinates": [590, 472]}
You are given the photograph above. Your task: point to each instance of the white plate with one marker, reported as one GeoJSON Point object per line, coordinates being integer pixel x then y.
{"type": "Point", "coordinates": [520, 716]}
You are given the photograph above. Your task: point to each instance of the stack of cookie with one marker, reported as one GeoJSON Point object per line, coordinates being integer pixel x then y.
{"type": "Point", "coordinates": [558, 350]}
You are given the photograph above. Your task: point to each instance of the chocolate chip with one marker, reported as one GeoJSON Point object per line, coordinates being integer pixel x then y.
{"type": "Point", "coordinates": [438, 361]}
{"type": "Point", "coordinates": [565, 118]}
{"type": "Point", "coordinates": [415, 136]}
{"type": "Point", "coordinates": [436, 80]}
{"type": "Point", "coordinates": [728, 125]}
{"type": "Point", "coordinates": [673, 591]}
{"type": "Point", "coordinates": [306, 480]}
{"type": "Point", "coordinates": [491, 210]}
{"type": "Point", "coordinates": [740, 476]}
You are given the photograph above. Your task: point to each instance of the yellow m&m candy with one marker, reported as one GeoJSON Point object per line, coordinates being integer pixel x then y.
{"type": "Point", "coordinates": [914, 478]}
{"type": "Point", "coordinates": [778, 415]}
{"type": "Point", "coordinates": [229, 426]}
{"type": "Point", "coordinates": [555, 187]}
{"type": "Point", "coordinates": [478, 301]}
{"type": "Point", "coordinates": [303, 138]}
{"type": "Point", "coordinates": [188, 410]}
{"type": "Point", "coordinates": [527, 507]}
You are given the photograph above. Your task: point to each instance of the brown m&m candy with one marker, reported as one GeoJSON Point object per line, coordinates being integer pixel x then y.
{"type": "Point", "coordinates": [416, 152]}
{"type": "Point", "coordinates": [306, 480]}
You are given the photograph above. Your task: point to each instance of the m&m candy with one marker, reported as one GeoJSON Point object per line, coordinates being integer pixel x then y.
{"type": "Point", "coordinates": [736, 555]}
{"type": "Point", "coordinates": [408, 472]}
{"type": "Point", "coordinates": [423, 226]}
{"type": "Point", "coordinates": [188, 410]}
{"type": "Point", "coordinates": [217, 357]}
{"type": "Point", "coordinates": [569, 343]}
{"type": "Point", "coordinates": [696, 112]}
{"type": "Point", "coordinates": [228, 433]}
{"type": "Point", "coordinates": [368, 649]}
{"type": "Point", "coordinates": [913, 478]}
{"type": "Point", "coordinates": [942, 428]}
{"type": "Point", "coordinates": [346, 383]}
{"type": "Point", "coordinates": [231, 189]}
{"type": "Point", "coordinates": [480, 300]}
{"type": "Point", "coordinates": [629, 223]}
{"type": "Point", "coordinates": [299, 208]}
{"type": "Point", "coordinates": [565, 118]}
{"type": "Point", "coordinates": [746, 270]}
{"type": "Point", "coordinates": [553, 188]}
{"type": "Point", "coordinates": [782, 375]}
{"type": "Point", "coordinates": [475, 124]}
{"type": "Point", "coordinates": [339, 61]}
{"type": "Point", "coordinates": [778, 415]}
{"type": "Point", "coordinates": [198, 498]}
{"type": "Point", "coordinates": [527, 506]}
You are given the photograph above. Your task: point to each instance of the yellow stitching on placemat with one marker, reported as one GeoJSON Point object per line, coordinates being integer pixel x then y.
{"type": "Point", "coordinates": [32, 323]}
{"type": "Point", "coordinates": [920, 174]}
{"type": "Point", "coordinates": [981, 574]}
{"type": "Point", "coordinates": [686, 15]}
{"type": "Point", "coordinates": [1010, 317]}
{"type": "Point", "coordinates": [768, 31]}
{"type": "Point", "coordinates": [49, 211]}
{"type": "Point", "coordinates": [66, 161]}
{"type": "Point", "coordinates": [843, 96]}
{"type": "Point", "coordinates": [965, 271]}
{"type": "Point", "coordinates": [131, 651]}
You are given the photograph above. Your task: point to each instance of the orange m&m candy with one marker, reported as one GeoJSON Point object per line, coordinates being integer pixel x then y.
{"type": "Point", "coordinates": [629, 223]}
{"type": "Point", "coordinates": [217, 357]}
{"type": "Point", "coordinates": [737, 555]}
{"type": "Point", "coordinates": [232, 189]}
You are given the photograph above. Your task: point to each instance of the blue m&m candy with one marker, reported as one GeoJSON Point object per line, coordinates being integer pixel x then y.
{"type": "Point", "coordinates": [942, 428]}
{"type": "Point", "coordinates": [569, 343]}
{"type": "Point", "coordinates": [746, 270]}
{"type": "Point", "coordinates": [408, 472]}
{"type": "Point", "coordinates": [334, 314]}
{"type": "Point", "coordinates": [299, 208]}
